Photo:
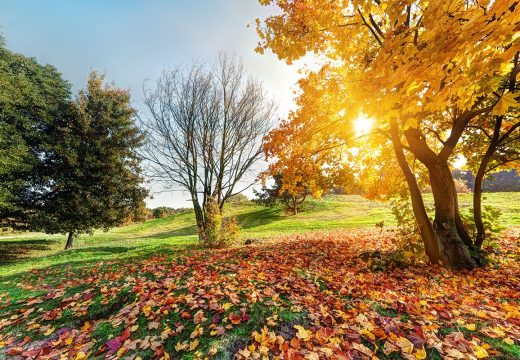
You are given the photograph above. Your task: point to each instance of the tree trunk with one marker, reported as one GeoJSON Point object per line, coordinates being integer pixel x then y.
{"type": "Point", "coordinates": [452, 238]}
{"type": "Point", "coordinates": [454, 252]}
{"type": "Point", "coordinates": [295, 205]}
{"type": "Point", "coordinates": [70, 239]}
{"type": "Point", "coordinates": [425, 227]}
{"type": "Point", "coordinates": [199, 216]}
{"type": "Point", "coordinates": [477, 207]}
{"type": "Point", "coordinates": [479, 179]}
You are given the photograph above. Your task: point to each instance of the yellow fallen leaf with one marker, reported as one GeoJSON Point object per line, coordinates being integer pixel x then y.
{"type": "Point", "coordinates": [80, 355]}
{"type": "Point", "coordinates": [194, 344]}
{"type": "Point", "coordinates": [121, 351]}
{"type": "Point", "coordinates": [471, 327]}
{"type": "Point", "coordinates": [480, 352]}
{"type": "Point", "coordinates": [362, 349]}
{"type": "Point", "coordinates": [179, 346]}
{"type": "Point", "coordinates": [245, 353]}
{"type": "Point", "coordinates": [405, 345]}
{"type": "Point", "coordinates": [508, 341]}
{"type": "Point", "coordinates": [49, 331]}
{"type": "Point", "coordinates": [226, 306]}
{"type": "Point", "coordinates": [302, 333]}
{"type": "Point", "coordinates": [367, 333]}
{"type": "Point", "coordinates": [420, 354]}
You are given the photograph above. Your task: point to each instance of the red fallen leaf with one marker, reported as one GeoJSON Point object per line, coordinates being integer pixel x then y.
{"type": "Point", "coordinates": [113, 345]}
{"type": "Point", "coordinates": [295, 343]}
{"type": "Point", "coordinates": [215, 319]}
{"type": "Point", "coordinates": [24, 341]}
{"type": "Point", "coordinates": [185, 315]}
{"type": "Point", "coordinates": [323, 334]}
{"type": "Point", "coordinates": [169, 301]}
{"type": "Point", "coordinates": [14, 351]}
{"type": "Point", "coordinates": [292, 354]}
{"type": "Point", "coordinates": [235, 319]}
{"type": "Point", "coordinates": [50, 315]}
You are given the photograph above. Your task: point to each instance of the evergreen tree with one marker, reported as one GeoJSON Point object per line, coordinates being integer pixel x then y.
{"type": "Point", "coordinates": [32, 98]}
{"type": "Point", "coordinates": [97, 176]}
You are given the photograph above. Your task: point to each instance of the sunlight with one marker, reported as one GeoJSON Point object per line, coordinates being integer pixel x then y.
{"type": "Point", "coordinates": [459, 162]}
{"type": "Point", "coordinates": [363, 125]}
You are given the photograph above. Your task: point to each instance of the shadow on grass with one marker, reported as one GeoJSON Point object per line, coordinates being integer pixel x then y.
{"type": "Point", "coordinates": [60, 264]}
{"type": "Point", "coordinates": [246, 221]}
{"type": "Point", "coordinates": [185, 231]}
{"type": "Point", "coordinates": [259, 218]}
{"type": "Point", "coordinates": [12, 251]}
{"type": "Point", "coordinates": [103, 250]}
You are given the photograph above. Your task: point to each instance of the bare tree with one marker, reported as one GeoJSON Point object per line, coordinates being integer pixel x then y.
{"type": "Point", "coordinates": [205, 130]}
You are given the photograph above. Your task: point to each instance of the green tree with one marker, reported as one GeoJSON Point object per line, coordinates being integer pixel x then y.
{"type": "Point", "coordinates": [96, 170]}
{"type": "Point", "coordinates": [32, 98]}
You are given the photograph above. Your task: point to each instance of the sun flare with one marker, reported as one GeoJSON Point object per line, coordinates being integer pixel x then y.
{"type": "Point", "coordinates": [363, 125]}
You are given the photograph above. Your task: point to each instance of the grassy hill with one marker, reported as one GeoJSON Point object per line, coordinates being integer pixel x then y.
{"type": "Point", "coordinates": [26, 251]}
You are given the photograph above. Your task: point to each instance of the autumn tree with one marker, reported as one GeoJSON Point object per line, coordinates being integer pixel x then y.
{"type": "Point", "coordinates": [302, 162]}
{"type": "Point", "coordinates": [424, 70]}
{"type": "Point", "coordinates": [206, 128]}
{"type": "Point", "coordinates": [96, 180]}
{"type": "Point", "coordinates": [492, 142]}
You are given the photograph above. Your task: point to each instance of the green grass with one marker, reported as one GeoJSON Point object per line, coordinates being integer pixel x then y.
{"type": "Point", "coordinates": [21, 253]}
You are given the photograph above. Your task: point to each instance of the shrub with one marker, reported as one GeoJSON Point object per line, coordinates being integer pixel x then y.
{"type": "Point", "coordinates": [218, 232]}
{"type": "Point", "coordinates": [461, 186]}
{"type": "Point", "coordinates": [237, 198]}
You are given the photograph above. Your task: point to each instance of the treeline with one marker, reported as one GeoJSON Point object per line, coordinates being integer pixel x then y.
{"type": "Point", "coordinates": [501, 181]}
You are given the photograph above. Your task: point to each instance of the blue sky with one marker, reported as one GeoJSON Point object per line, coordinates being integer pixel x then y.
{"type": "Point", "coordinates": [134, 40]}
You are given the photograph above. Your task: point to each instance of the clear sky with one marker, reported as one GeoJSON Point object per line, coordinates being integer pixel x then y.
{"type": "Point", "coordinates": [134, 40]}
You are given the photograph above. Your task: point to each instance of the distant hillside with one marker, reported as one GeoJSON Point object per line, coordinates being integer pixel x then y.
{"type": "Point", "coordinates": [506, 180]}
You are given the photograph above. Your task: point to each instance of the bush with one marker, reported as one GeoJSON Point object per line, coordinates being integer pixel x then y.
{"type": "Point", "coordinates": [461, 186]}
{"type": "Point", "coordinates": [164, 211]}
{"type": "Point", "coordinates": [237, 198]}
{"type": "Point", "coordinates": [216, 232]}
{"type": "Point", "coordinates": [490, 217]}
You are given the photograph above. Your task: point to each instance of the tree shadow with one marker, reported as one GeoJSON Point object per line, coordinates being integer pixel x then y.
{"type": "Point", "coordinates": [245, 221]}
{"type": "Point", "coordinates": [104, 249]}
{"type": "Point", "coordinates": [185, 231]}
{"type": "Point", "coordinates": [12, 251]}
{"type": "Point", "coordinates": [259, 218]}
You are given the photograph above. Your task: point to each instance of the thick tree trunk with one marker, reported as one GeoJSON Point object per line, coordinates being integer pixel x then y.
{"type": "Point", "coordinates": [419, 210]}
{"type": "Point", "coordinates": [70, 240]}
{"type": "Point", "coordinates": [452, 238]}
{"type": "Point", "coordinates": [454, 252]}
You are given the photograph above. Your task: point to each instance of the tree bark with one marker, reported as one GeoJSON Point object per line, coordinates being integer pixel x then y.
{"type": "Point", "coordinates": [70, 240]}
{"type": "Point", "coordinates": [419, 210]}
{"type": "Point", "coordinates": [454, 252]}
{"type": "Point", "coordinates": [479, 179]}
{"type": "Point", "coordinates": [452, 238]}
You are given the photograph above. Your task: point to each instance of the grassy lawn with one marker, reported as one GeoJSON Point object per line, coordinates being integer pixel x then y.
{"type": "Point", "coordinates": [27, 251]}
{"type": "Point", "coordinates": [148, 291]}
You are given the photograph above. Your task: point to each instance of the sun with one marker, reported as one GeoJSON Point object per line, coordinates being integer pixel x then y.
{"type": "Point", "coordinates": [363, 125]}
